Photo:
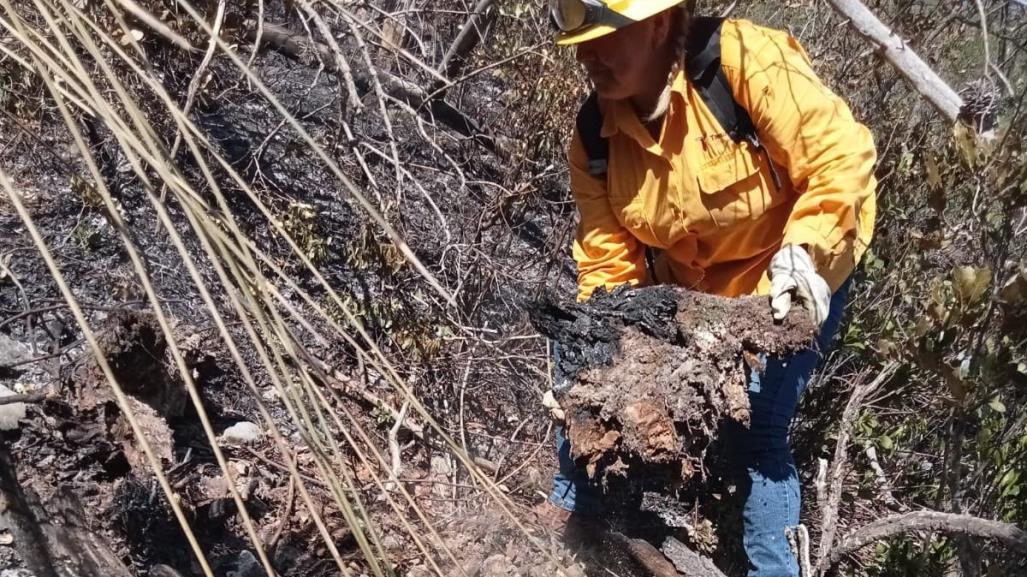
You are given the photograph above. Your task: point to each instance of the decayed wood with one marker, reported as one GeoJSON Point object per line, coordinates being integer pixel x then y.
{"type": "Point", "coordinates": [647, 376]}
{"type": "Point", "coordinates": [19, 520]}
{"type": "Point", "coordinates": [1005, 533]}
{"type": "Point", "coordinates": [689, 562]}
{"type": "Point", "coordinates": [78, 550]}
{"type": "Point", "coordinates": [53, 541]}
{"type": "Point", "coordinates": [896, 52]}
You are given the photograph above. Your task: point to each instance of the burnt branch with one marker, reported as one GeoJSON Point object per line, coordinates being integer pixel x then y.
{"type": "Point", "coordinates": [300, 47]}
{"type": "Point", "coordinates": [468, 38]}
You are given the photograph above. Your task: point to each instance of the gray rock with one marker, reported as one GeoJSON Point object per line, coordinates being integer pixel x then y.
{"type": "Point", "coordinates": [498, 566]}
{"type": "Point", "coordinates": [16, 573]}
{"type": "Point", "coordinates": [243, 433]}
{"type": "Point", "coordinates": [10, 414]}
{"type": "Point", "coordinates": [12, 351]}
{"type": "Point", "coordinates": [392, 543]}
{"type": "Point", "coordinates": [420, 571]}
{"type": "Point", "coordinates": [441, 466]}
{"type": "Point", "coordinates": [247, 566]}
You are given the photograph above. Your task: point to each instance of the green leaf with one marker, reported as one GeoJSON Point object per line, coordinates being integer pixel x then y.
{"type": "Point", "coordinates": [886, 442]}
{"type": "Point", "coordinates": [1008, 482]}
{"type": "Point", "coordinates": [905, 162]}
{"type": "Point", "coordinates": [970, 283]}
{"type": "Point", "coordinates": [997, 406]}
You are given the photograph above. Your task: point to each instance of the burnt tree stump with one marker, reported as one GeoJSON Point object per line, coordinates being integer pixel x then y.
{"type": "Point", "coordinates": [648, 376]}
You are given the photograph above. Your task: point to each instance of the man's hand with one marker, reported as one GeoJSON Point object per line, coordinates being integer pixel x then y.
{"type": "Point", "coordinates": [555, 410]}
{"type": "Point", "coordinates": [792, 276]}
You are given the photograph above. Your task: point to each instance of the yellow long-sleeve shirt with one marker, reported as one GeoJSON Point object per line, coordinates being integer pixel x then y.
{"type": "Point", "coordinates": [710, 205]}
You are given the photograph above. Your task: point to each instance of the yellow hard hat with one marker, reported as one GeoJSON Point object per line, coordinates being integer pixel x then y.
{"type": "Point", "coordinates": [583, 20]}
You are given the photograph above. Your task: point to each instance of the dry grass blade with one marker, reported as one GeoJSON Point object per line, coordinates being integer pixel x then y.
{"type": "Point", "coordinates": [94, 346]}
{"type": "Point", "coordinates": [143, 276]}
{"type": "Point", "coordinates": [226, 471]}
{"type": "Point", "coordinates": [240, 268]}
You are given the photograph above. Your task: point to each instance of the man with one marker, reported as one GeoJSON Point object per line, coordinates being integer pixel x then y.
{"type": "Point", "coordinates": [771, 193]}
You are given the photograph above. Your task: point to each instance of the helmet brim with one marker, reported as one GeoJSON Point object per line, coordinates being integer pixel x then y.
{"type": "Point", "coordinates": [632, 12]}
{"type": "Point", "coordinates": [590, 33]}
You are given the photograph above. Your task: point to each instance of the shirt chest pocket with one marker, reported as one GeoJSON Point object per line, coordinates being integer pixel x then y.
{"type": "Point", "coordinates": [733, 181]}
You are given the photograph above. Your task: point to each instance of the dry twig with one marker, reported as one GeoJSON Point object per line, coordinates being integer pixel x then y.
{"type": "Point", "coordinates": [29, 398]}
{"type": "Point", "coordinates": [829, 515]}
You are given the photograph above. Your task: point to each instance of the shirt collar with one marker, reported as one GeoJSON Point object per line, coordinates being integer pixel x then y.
{"type": "Point", "coordinates": [620, 117]}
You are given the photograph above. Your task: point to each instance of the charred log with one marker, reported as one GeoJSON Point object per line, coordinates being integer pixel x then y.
{"type": "Point", "coordinates": [647, 376]}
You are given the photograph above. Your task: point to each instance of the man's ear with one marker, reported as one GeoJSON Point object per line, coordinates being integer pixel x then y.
{"type": "Point", "coordinates": [661, 28]}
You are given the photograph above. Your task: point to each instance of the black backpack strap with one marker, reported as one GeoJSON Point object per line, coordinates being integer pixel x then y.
{"type": "Point", "coordinates": [590, 128]}
{"type": "Point", "coordinates": [707, 75]}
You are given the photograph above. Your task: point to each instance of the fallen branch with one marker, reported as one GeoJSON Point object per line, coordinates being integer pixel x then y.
{"type": "Point", "coordinates": [883, 485]}
{"type": "Point", "coordinates": [395, 451]}
{"type": "Point", "coordinates": [1009, 535]}
{"type": "Point", "coordinates": [155, 24]}
{"type": "Point", "coordinates": [467, 39]}
{"type": "Point", "coordinates": [896, 52]}
{"type": "Point", "coordinates": [354, 390]}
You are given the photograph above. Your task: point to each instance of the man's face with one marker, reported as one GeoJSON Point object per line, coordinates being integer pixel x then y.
{"type": "Point", "coordinates": [619, 62]}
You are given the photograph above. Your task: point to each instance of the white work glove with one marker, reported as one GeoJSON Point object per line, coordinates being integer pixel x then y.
{"type": "Point", "coordinates": [555, 410]}
{"type": "Point", "coordinates": [792, 276]}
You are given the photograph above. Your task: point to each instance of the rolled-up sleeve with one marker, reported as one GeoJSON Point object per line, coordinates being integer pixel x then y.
{"type": "Point", "coordinates": [811, 133]}
{"type": "Point", "coordinates": [607, 254]}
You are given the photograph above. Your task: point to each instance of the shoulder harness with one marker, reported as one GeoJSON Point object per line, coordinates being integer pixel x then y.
{"type": "Point", "coordinates": [703, 66]}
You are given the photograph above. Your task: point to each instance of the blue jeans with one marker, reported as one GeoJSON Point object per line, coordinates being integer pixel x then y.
{"type": "Point", "coordinates": [770, 482]}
